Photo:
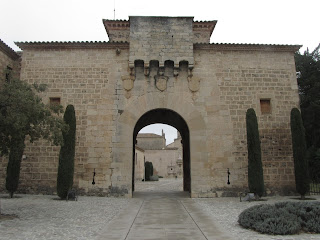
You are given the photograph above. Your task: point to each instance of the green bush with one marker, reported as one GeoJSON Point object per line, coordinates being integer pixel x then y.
{"type": "Point", "coordinates": [255, 170]}
{"type": "Point", "coordinates": [67, 153]}
{"type": "Point", "coordinates": [154, 178]}
{"type": "Point", "coordinates": [299, 148]}
{"type": "Point", "coordinates": [282, 218]}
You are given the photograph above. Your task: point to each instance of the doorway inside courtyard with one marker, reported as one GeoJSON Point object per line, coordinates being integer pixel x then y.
{"type": "Point", "coordinates": [169, 160]}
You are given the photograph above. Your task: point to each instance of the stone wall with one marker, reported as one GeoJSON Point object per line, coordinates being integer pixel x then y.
{"type": "Point", "coordinates": [161, 39]}
{"type": "Point", "coordinates": [207, 99]}
{"type": "Point", "coordinates": [149, 141]}
{"type": "Point", "coordinates": [9, 63]}
{"type": "Point", "coordinates": [90, 80]}
{"type": "Point", "coordinates": [232, 82]}
{"type": "Point", "coordinates": [139, 164]}
{"type": "Point", "coordinates": [163, 161]}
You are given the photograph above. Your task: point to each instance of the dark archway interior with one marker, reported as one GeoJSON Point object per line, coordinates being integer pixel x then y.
{"type": "Point", "coordinates": [166, 116]}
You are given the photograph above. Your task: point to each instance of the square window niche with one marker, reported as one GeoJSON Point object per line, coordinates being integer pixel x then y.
{"type": "Point", "coordinates": [55, 101]}
{"type": "Point", "coordinates": [265, 106]}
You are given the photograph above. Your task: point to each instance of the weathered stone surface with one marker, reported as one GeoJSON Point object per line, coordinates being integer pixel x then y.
{"type": "Point", "coordinates": [161, 82]}
{"type": "Point", "coordinates": [234, 77]}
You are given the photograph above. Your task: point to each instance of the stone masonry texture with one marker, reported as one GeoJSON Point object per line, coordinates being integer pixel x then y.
{"type": "Point", "coordinates": [209, 86]}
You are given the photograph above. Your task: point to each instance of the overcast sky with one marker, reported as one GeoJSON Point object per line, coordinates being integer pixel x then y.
{"type": "Point", "coordinates": [239, 21]}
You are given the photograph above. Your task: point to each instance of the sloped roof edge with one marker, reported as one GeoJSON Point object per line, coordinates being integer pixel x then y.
{"type": "Point", "coordinates": [248, 46]}
{"type": "Point", "coordinates": [8, 50]}
{"type": "Point", "coordinates": [72, 45]}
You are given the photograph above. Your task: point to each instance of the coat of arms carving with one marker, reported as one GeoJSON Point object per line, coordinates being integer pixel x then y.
{"type": "Point", "coordinates": [161, 82]}
{"type": "Point", "coordinates": [194, 84]}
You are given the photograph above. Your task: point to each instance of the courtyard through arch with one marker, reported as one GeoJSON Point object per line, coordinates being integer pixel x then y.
{"type": "Point", "coordinates": [169, 117]}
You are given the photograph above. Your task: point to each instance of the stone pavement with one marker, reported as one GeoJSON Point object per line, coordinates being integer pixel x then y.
{"type": "Point", "coordinates": [162, 215]}
{"type": "Point", "coordinates": [159, 210]}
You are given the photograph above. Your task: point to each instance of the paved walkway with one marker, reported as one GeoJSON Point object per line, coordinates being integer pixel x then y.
{"type": "Point", "coordinates": [162, 215]}
{"type": "Point", "coordinates": [149, 215]}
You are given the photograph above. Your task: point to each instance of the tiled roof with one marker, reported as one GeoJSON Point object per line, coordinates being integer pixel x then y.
{"type": "Point", "coordinates": [72, 45]}
{"type": "Point", "coordinates": [8, 50]}
{"type": "Point", "coordinates": [148, 135]}
{"type": "Point", "coordinates": [248, 46]}
{"type": "Point", "coordinates": [204, 26]}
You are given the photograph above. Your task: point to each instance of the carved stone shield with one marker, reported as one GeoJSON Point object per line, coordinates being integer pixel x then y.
{"type": "Point", "coordinates": [194, 84]}
{"type": "Point", "coordinates": [161, 82]}
{"type": "Point", "coordinates": [127, 82]}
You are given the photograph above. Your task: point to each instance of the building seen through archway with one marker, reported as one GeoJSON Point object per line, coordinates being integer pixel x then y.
{"type": "Point", "coordinates": [163, 152]}
{"type": "Point", "coordinates": [169, 161]}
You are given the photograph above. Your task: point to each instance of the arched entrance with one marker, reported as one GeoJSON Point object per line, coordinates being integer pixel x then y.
{"type": "Point", "coordinates": [166, 116]}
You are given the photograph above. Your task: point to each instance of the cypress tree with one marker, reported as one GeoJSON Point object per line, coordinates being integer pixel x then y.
{"type": "Point", "coordinates": [299, 148]}
{"type": "Point", "coordinates": [255, 171]}
{"type": "Point", "coordinates": [67, 153]}
{"type": "Point", "coordinates": [13, 168]}
{"type": "Point", "coordinates": [148, 170]}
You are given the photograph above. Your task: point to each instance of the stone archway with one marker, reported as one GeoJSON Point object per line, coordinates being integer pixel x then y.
{"type": "Point", "coordinates": [167, 116]}
{"type": "Point", "coordinates": [122, 142]}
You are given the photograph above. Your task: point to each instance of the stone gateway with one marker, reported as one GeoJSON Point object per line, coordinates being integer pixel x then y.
{"type": "Point", "coordinates": [162, 70]}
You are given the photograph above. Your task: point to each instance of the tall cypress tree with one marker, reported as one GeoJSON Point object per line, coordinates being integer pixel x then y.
{"type": "Point", "coordinates": [67, 153]}
{"type": "Point", "coordinates": [13, 168]}
{"type": "Point", "coordinates": [148, 170]}
{"type": "Point", "coordinates": [255, 171]}
{"type": "Point", "coordinates": [299, 148]}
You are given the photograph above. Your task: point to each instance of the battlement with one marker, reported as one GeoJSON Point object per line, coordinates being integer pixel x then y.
{"type": "Point", "coordinates": [119, 30]}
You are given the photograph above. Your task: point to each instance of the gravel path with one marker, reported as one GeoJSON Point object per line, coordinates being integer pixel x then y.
{"type": "Point", "coordinates": [45, 217]}
{"type": "Point", "coordinates": [225, 212]}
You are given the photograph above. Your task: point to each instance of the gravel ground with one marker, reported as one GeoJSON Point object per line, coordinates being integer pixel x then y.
{"type": "Point", "coordinates": [225, 212]}
{"type": "Point", "coordinates": [45, 217]}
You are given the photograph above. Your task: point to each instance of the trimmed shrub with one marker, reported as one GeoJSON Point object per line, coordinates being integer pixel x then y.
{"type": "Point", "coordinates": [13, 168]}
{"type": "Point", "coordinates": [154, 178]}
{"type": "Point", "coordinates": [282, 218]}
{"type": "Point", "coordinates": [67, 153]}
{"type": "Point", "coordinates": [255, 171]}
{"type": "Point", "coordinates": [148, 170]}
{"type": "Point", "coordinates": [299, 148]}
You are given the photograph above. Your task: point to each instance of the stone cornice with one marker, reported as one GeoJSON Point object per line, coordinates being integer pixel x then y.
{"type": "Point", "coordinates": [201, 26]}
{"type": "Point", "coordinates": [72, 45]}
{"type": "Point", "coordinates": [123, 25]}
{"type": "Point", "coordinates": [248, 47]}
{"type": "Point", "coordinates": [8, 51]}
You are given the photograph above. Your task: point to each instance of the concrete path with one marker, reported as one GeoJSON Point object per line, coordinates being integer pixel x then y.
{"type": "Point", "coordinates": [162, 215]}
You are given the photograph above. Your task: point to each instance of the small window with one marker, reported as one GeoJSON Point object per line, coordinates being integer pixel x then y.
{"type": "Point", "coordinates": [54, 101]}
{"type": "Point", "coordinates": [265, 105]}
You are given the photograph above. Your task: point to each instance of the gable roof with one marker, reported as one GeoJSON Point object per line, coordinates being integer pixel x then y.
{"type": "Point", "coordinates": [8, 51]}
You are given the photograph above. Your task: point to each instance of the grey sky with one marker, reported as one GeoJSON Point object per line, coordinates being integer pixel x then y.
{"type": "Point", "coordinates": [245, 21]}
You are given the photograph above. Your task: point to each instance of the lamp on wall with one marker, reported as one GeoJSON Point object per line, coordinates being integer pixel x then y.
{"type": "Point", "coordinates": [228, 177]}
{"type": "Point", "coordinates": [94, 173]}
